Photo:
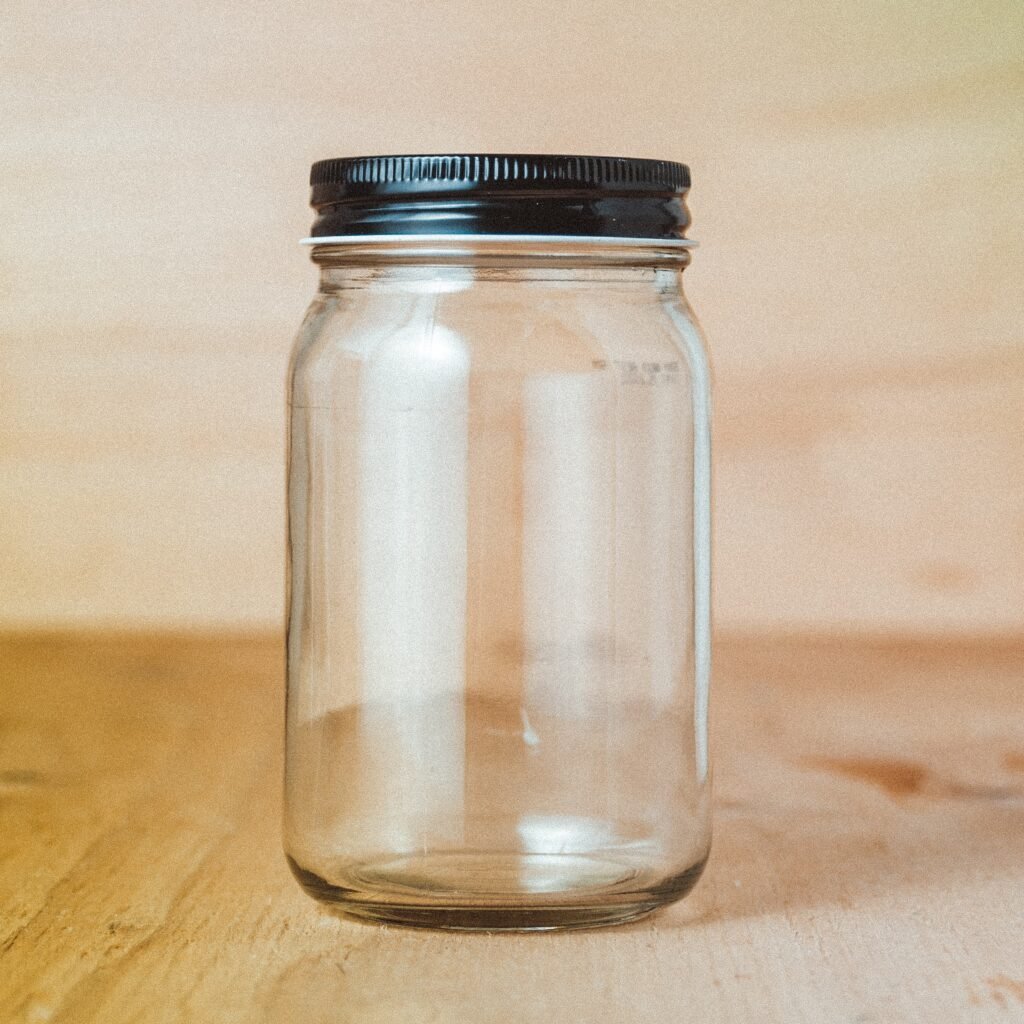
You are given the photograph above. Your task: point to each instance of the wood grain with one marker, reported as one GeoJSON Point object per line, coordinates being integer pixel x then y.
{"type": "Point", "coordinates": [868, 863]}
{"type": "Point", "coordinates": [857, 175]}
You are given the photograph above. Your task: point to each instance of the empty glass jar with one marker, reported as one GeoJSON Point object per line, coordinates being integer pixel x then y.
{"type": "Point", "coordinates": [499, 519]}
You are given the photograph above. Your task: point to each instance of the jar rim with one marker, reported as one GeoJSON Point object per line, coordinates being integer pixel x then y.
{"type": "Point", "coordinates": [473, 239]}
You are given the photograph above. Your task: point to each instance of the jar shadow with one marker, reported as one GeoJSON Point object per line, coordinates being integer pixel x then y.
{"type": "Point", "coordinates": [773, 860]}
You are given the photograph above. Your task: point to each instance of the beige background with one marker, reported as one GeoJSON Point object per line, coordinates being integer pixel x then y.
{"type": "Point", "coordinates": [858, 182]}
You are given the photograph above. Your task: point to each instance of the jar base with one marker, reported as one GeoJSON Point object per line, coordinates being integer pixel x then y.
{"type": "Point", "coordinates": [497, 892]}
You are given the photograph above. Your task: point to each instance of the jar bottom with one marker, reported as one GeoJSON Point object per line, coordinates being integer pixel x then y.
{"type": "Point", "coordinates": [497, 891]}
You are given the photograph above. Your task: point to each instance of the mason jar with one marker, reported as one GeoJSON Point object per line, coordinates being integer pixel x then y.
{"type": "Point", "coordinates": [499, 545]}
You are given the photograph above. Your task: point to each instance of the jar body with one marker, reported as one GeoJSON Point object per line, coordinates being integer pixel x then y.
{"type": "Point", "coordinates": [498, 624]}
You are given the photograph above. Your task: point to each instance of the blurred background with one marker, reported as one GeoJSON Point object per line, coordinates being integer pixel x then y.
{"type": "Point", "coordinates": [858, 173]}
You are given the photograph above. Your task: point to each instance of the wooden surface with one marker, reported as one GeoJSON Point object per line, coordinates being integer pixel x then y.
{"type": "Point", "coordinates": [857, 178]}
{"type": "Point", "coordinates": [868, 865]}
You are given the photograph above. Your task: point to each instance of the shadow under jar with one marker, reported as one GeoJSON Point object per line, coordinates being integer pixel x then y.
{"type": "Point", "coordinates": [499, 545]}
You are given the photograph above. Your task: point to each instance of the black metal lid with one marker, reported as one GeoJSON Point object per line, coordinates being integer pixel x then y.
{"type": "Point", "coordinates": [500, 194]}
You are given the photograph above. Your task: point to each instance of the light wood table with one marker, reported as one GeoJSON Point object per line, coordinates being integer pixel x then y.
{"type": "Point", "coordinates": [868, 863]}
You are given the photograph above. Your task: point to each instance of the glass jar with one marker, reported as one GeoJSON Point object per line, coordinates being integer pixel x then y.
{"type": "Point", "coordinates": [499, 545]}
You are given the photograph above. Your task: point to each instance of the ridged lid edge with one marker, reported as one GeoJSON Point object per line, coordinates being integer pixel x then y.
{"type": "Point", "coordinates": [482, 170]}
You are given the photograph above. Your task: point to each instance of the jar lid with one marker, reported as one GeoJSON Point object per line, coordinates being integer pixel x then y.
{"type": "Point", "coordinates": [499, 194]}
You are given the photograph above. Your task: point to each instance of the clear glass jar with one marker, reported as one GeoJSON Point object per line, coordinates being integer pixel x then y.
{"type": "Point", "coordinates": [498, 633]}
